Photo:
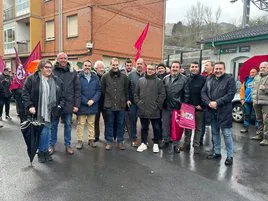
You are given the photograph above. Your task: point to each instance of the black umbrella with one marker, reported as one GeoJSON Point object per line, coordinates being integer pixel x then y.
{"type": "Point", "coordinates": [31, 130]}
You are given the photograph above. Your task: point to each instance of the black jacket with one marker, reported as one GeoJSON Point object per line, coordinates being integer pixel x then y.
{"type": "Point", "coordinates": [5, 81]}
{"type": "Point", "coordinates": [196, 83]}
{"type": "Point", "coordinates": [176, 91]}
{"type": "Point", "coordinates": [221, 90]}
{"type": "Point", "coordinates": [114, 87]}
{"type": "Point", "coordinates": [30, 92]}
{"type": "Point", "coordinates": [72, 89]}
{"type": "Point", "coordinates": [149, 97]}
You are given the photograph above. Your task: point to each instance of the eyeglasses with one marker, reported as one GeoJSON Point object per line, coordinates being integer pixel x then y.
{"type": "Point", "coordinates": [48, 67]}
{"type": "Point", "coordinates": [152, 69]}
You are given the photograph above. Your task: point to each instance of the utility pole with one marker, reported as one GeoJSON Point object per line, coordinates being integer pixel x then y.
{"type": "Point", "coordinates": [246, 12]}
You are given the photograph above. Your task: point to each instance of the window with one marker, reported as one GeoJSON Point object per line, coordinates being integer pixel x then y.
{"type": "Point", "coordinates": [72, 26]}
{"type": "Point", "coordinates": [9, 38]}
{"type": "Point", "coordinates": [22, 7]}
{"type": "Point", "coordinates": [50, 30]}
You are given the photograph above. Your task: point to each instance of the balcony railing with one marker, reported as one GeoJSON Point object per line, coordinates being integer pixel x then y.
{"type": "Point", "coordinates": [22, 47]}
{"type": "Point", "coordinates": [9, 14]}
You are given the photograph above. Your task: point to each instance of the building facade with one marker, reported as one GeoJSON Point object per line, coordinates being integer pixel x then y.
{"type": "Point", "coordinates": [95, 29]}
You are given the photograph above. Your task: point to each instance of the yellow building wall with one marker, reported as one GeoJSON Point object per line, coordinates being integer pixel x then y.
{"type": "Point", "coordinates": [36, 23]}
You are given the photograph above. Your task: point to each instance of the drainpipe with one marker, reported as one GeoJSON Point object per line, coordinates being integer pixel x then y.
{"type": "Point", "coordinates": [60, 26]}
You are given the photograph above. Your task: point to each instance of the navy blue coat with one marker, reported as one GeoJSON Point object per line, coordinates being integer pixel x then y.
{"type": "Point", "coordinates": [221, 90]}
{"type": "Point", "coordinates": [89, 91]}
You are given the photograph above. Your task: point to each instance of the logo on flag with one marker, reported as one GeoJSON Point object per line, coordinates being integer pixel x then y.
{"type": "Point", "coordinates": [20, 72]}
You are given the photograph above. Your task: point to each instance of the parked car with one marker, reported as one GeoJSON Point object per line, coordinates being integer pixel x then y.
{"type": "Point", "coordinates": [238, 111]}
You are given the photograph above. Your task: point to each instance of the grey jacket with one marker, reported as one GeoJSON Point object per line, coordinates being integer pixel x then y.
{"type": "Point", "coordinates": [133, 79]}
{"type": "Point", "coordinates": [114, 87]}
{"type": "Point", "coordinates": [260, 96]}
{"type": "Point", "coordinates": [149, 97]}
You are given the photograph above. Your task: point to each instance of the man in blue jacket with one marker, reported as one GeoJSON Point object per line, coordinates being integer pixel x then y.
{"type": "Point", "coordinates": [90, 96]}
{"type": "Point", "coordinates": [246, 98]}
{"type": "Point", "coordinates": [218, 94]}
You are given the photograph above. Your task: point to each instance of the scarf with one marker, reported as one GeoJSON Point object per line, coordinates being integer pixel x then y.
{"type": "Point", "coordinates": [47, 98]}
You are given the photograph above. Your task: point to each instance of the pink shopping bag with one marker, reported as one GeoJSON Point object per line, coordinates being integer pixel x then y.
{"type": "Point", "coordinates": [187, 116]}
{"type": "Point", "coordinates": [176, 130]}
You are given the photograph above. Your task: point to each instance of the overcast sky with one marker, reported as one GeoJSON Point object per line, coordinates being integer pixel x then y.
{"type": "Point", "coordinates": [231, 12]}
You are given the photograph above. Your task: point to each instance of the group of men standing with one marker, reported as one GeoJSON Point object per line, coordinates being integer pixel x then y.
{"type": "Point", "coordinates": [121, 96]}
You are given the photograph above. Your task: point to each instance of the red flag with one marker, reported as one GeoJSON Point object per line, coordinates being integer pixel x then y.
{"type": "Point", "coordinates": [35, 55]}
{"type": "Point", "coordinates": [20, 76]}
{"type": "Point", "coordinates": [139, 42]}
{"type": "Point", "coordinates": [2, 65]}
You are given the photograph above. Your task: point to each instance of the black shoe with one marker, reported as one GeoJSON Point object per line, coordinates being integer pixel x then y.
{"type": "Point", "coordinates": [229, 161]}
{"type": "Point", "coordinates": [48, 157]}
{"type": "Point", "coordinates": [201, 144]}
{"type": "Point", "coordinates": [162, 144]}
{"type": "Point", "coordinates": [41, 157]}
{"type": "Point", "coordinates": [96, 139]}
{"type": "Point", "coordinates": [176, 149]}
{"type": "Point", "coordinates": [214, 156]}
{"type": "Point", "coordinates": [1, 126]}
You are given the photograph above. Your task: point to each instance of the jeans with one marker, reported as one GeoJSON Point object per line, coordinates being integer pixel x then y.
{"type": "Point", "coordinates": [112, 116]}
{"type": "Point", "coordinates": [248, 108]}
{"type": "Point", "coordinates": [145, 128]}
{"type": "Point", "coordinates": [131, 121]}
{"type": "Point", "coordinates": [67, 118]}
{"type": "Point", "coordinates": [227, 134]}
{"type": "Point", "coordinates": [44, 138]}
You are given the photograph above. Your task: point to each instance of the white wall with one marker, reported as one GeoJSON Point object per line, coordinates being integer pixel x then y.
{"type": "Point", "coordinates": [22, 32]}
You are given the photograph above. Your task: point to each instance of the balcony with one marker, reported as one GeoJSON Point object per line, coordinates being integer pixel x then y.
{"type": "Point", "coordinates": [9, 14]}
{"type": "Point", "coordinates": [22, 47]}
{"type": "Point", "coordinates": [22, 8]}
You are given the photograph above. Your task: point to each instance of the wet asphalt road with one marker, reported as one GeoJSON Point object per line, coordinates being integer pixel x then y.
{"type": "Point", "coordinates": [96, 174]}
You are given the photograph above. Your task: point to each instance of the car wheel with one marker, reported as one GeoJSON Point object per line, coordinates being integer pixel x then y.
{"type": "Point", "coordinates": [237, 113]}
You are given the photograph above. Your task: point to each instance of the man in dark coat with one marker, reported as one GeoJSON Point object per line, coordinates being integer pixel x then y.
{"type": "Point", "coordinates": [99, 69]}
{"type": "Point", "coordinates": [72, 94]}
{"type": "Point", "coordinates": [90, 96]}
{"type": "Point", "coordinates": [196, 83]}
{"type": "Point", "coordinates": [218, 94]}
{"type": "Point", "coordinates": [149, 97]}
{"type": "Point", "coordinates": [5, 93]}
{"type": "Point", "coordinates": [114, 87]}
{"type": "Point", "coordinates": [177, 91]}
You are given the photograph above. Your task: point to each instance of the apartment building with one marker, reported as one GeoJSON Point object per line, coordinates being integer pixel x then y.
{"type": "Point", "coordinates": [84, 29]}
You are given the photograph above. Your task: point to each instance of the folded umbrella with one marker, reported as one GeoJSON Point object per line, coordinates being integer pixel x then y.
{"type": "Point", "coordinates": [31, 130]}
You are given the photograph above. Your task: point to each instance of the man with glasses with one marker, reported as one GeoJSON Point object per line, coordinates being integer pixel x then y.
{"type": "Point", "coordinates": [149, 97]}
{"type": "Point", "coordinates": [72, 94]}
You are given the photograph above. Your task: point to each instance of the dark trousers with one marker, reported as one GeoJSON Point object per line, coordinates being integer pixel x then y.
{"type": "Point", "coordinates": [97, 123]}
{"type": "Point", "coordinates": [119, 117]}
{"type": "Point", "coordinates": [203, 125]}
{"type": "Point", "coordinates": [188, 132]}
{"type": "Point", "coordinates": [145, 128]}
{"type": "Point", "coordinates": [6, 102]}
{"type": "Point", "coordinates": [19, 104]}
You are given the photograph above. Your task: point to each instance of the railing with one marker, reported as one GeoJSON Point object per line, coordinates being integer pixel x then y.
{"type": "Point", "coordinates": [23, 47]}
{"type": "Point", "coordinates": [9, 14]}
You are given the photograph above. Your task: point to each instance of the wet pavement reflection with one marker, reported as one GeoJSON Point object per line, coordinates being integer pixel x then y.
{"type": "Point", "coordinates": [96, 174]}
